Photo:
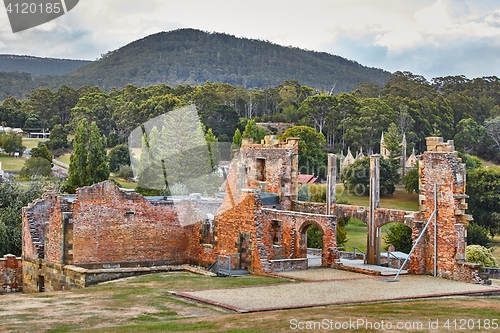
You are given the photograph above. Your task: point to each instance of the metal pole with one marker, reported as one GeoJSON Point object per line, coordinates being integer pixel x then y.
{"type": "Point", "coordinates": [435, 229]}
{"type": "Point", "coordinates": [330, 182]}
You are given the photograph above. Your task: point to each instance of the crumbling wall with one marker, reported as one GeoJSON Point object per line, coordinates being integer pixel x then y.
{"type": "Point", "coordinates": [110, 226]}
{"type": "Point", "coordinates": [99, 227]}
{"type": "Point", "coordinates": [382, 215]}
{"type": "Point", "coordinates": [440, 165]}
{"type": "Point", "coordinates": [11, 273]}
{"type": "Point", "coordinates": [243, 220]}
{"type": "Point", "coordinates": [293, 238]}
{"type": "Point", "coordinates": [35, 219]}
{"type": "Point", "coordinates": [271, 166]}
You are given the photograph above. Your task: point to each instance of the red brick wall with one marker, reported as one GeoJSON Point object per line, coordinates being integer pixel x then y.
{"type": "Point", "coordinates": [106, 231]}
{"type": "Point", "coordinates": [294, 226]}
{"type": "Point", "coordinates": [11, 274]}
{"type": "Point", "coordinates": [54, 234]}
{"type": "Point", "coordinates": [281, 167]}
{"type": "Point", "coordinates": [440, 165]}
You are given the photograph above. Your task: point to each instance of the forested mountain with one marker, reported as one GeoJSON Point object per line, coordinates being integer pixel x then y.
{"type": "Point", "coordinates": [188, 57]}
{"type": "Point", "coordinates": [37, 65]}
{"type": "Point", "coordinates": [193, 57]}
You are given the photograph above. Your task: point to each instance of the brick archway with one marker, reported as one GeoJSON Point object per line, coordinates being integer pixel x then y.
{"type": "Point", "coordinates": [304, 227]}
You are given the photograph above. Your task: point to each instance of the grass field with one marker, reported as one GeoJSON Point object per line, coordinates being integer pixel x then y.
{"type": "Point", "coordinates": [11, 164]}
{"type": "Point", "coordinates": [32, 142]}
{"type": "Point", "coordinates": [356, 235]}
{"type": "Point", "coordinates": [124, 183]}
{"type": "Point", "coordinates": [399, 200]}
{"type": "Point", "coordinates": [143, 304]}
{"type": "Point", "coordinates": [64, 158]}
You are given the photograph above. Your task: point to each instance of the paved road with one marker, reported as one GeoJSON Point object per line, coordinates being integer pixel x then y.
{"type": "Point", "coordinates": [324, 286]}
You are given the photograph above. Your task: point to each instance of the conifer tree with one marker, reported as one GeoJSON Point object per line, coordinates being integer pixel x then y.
{"type": "Point", "coordinates": [213, 149]}
{"type": "Point", "coordinates": [97, 166]}
{"type": "Point", "coordinates": [78, 160]}
{"type": "Point", "coordinates": [88, 163]}
{"type": "Point", "coordinates": [237, 138]}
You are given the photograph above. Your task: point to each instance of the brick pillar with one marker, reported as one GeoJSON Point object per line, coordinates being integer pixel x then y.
{"type": "Point", "coordinates": [440, 165]}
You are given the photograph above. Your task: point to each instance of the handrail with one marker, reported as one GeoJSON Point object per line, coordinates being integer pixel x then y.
{"type": "Point", "coordinates": [389, 254]}
{"type": "Point", "coordinates": [354, 248]}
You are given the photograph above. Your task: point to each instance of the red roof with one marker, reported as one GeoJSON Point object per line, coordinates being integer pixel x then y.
{"type": "Point", "coordinates": [302, 179]}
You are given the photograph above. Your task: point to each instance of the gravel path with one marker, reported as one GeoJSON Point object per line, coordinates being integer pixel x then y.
{"type": "Point", "coordinates": [333, 287]}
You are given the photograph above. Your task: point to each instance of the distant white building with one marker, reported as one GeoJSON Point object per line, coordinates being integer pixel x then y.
{"type": "Point", "coordinates": [11, 130]}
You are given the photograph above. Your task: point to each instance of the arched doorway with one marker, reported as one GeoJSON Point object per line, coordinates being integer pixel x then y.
{"type": "Point", "coordinates": [312, 243]}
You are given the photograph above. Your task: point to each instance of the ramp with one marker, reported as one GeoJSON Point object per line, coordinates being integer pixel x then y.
{"type": "Point", "coordinates": [357, 265]}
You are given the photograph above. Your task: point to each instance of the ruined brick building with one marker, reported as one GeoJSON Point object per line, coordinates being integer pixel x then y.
{"type": "Point", "coordinates": [102, 232]}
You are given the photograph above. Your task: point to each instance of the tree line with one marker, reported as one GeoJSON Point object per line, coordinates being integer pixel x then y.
{"type": "Point", "coordinates": [452, 107]}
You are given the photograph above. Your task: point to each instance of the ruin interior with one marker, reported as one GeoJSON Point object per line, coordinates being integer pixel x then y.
{"type": "Point", "coordinates": [103, 233]}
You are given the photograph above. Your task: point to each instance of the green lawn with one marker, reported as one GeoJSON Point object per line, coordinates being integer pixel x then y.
{"type": "Point", "coordinates": [124, 183]}
{"type": "Point", "coordinates": [399, 200]}
{"type": "Point", "coordinates": [11, 164]}
{"type": "Point", "coordinates": [356, 234]}
{"type": "Point", "coordinates": [64, 158]}
{"type": "Point", "coordinates": [32, 142]}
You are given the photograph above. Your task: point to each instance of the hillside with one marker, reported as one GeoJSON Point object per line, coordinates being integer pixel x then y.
{"type": "Point", "coordinates": [189, 56]}
{"type": "Point", "coordinates": [38, 66]}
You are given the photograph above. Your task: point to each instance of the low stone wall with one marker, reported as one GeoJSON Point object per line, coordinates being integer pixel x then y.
{"type": "Point", "coordinates": [40, 275]}
{"type": "Point", "coordinates": [493, 273]}
{"type": "Point", "coordinates": [467, 272]}
{"type": "Point", "coordinates": [351, 255]}
{"type": "Point", "coordinates": [315, 252]}
{"type": "Point", "coordinates": [288, 264]}
{"type": "Point", "coordinates": [11, 274]}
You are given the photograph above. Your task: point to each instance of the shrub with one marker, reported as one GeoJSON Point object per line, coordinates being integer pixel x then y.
{"type": "Point", "coordinates": [399, 235]}
{"type": "Point", "coordinates": [125, 172]}
{"type": "Point", "coordinates": [480, 255]}
{"type": "Point", "coordinates": [478, 235]}
{"type": "Point", "coordinates": [342, 232]}
{"type": "Point", "coordinates": [314, 237]}
{"type": "Point", "coordinates": [35, 166]}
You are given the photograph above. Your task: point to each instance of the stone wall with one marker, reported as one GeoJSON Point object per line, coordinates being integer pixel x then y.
{"type": "Point", "coordinates": [11, 274]}
{"type": "Point", "coordinates": [382, 215]}
{"type": "Point", "coordinates": [293, 231]}
{"type": "Point", "coordinates": [112, 226]}
{"type": "Point", "coordinates": [440, 166]}
{"type": "Point", "coordinates": [271, 166]}
{"type": "Point", "coordinates": [103, 226]}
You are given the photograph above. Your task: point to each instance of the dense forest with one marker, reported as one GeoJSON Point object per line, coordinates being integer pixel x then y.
{"type": "Point", "coordinates": [466, 110]}
{"type": "Point", "coordinates": [193, 57]}
{"type": "Point", "coordinates": [38, 66]}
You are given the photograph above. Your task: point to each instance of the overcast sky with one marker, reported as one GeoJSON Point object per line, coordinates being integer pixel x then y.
{"type": "Point", "coordinates": [427, 37]}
